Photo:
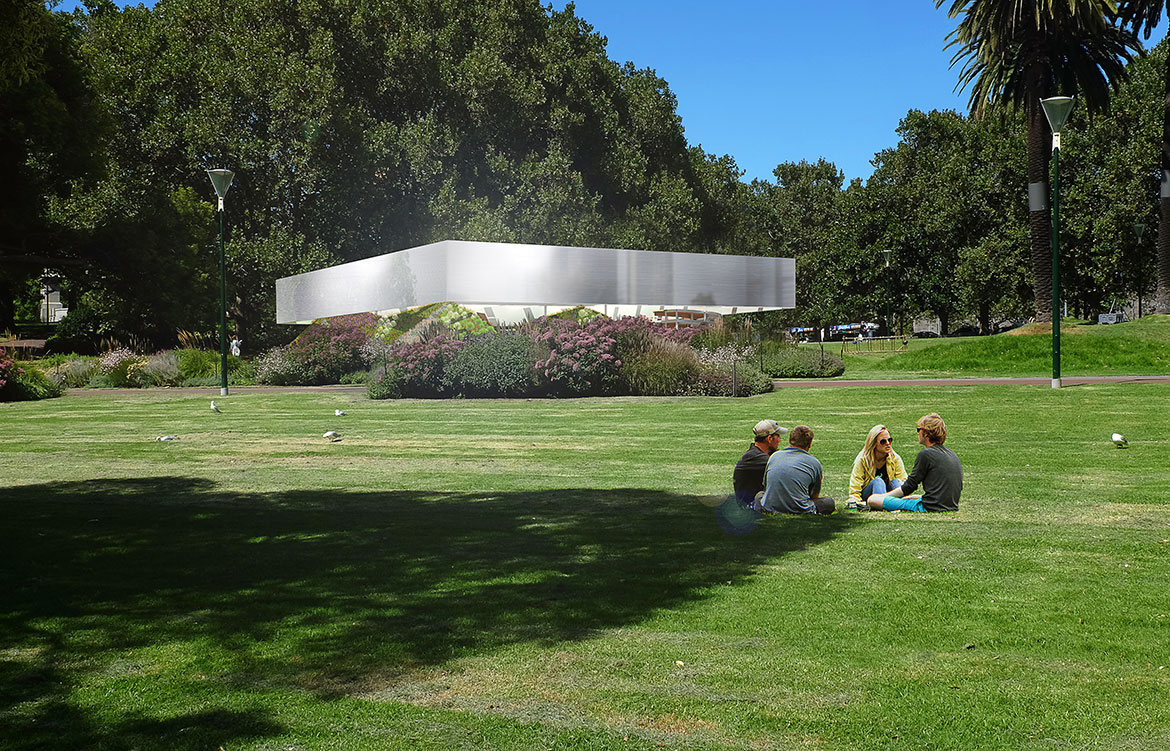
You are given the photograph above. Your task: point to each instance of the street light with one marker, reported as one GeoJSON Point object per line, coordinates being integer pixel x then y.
{"type": "Point", "coordinates": [889, 325]}
{"type": "Point", "coordinates": [1139, 229]}
{"type": "Point", "coordinates": [221, 180]}
{"type": "Point", "coordinates": [1057, 110]}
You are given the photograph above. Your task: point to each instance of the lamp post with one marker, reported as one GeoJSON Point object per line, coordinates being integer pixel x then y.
{"type": "Point", "coordinates": [1139, 229]}
{"type": "Point", "coordinates": [221, 180]}
{"type": "Point", "coordinates": [889, 325]}
{"type": "Point", "coordinates": [1057, 110]}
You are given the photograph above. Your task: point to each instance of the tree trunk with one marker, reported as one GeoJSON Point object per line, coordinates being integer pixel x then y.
{"type": "Point", "coordinates": [1162, 296]}
{"type": "Point", "coordinates": [1039, 214]}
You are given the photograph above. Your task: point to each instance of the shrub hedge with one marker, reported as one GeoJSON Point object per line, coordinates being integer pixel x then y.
{"type": "Point", "coordinates": [799, 362]}
{"type": "Point", "coordinates": [496, 364]}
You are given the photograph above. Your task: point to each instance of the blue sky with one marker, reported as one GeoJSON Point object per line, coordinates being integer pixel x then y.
{"type": "Point", "coordinates": [771, 81]}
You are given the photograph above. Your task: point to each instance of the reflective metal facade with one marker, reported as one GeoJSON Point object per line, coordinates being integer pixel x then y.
{"type": "Point", "coordinates": [477, 274]}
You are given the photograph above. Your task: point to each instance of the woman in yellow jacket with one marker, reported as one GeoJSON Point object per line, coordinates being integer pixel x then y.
{"type": "Point", "coordinates": [877, 469]}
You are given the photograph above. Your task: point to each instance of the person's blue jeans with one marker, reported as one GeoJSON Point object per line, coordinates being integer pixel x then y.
{"type": "Point", "coordinates": [878, 485]}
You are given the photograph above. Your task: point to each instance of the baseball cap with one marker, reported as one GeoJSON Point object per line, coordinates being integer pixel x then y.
{"type": "Point", "coordinates": [765, 428]}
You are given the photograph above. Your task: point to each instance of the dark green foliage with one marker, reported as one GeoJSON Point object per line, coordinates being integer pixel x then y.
{"type": "Point", "coordinates": [500, 364]}
{"type": "Point", "coordinates": [198, 363]}
{"type": "Point", "coordinates": [385, 382]}
{"type": "Point", "coordinates": [24, 382]}
{"type": "Point", "coordinates": [49, 142]}
{"type": "Point", "coordinates": [801, 362]}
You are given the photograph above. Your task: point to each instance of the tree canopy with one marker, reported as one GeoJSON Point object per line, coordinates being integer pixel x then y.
{"type": "Point", "coordinates": [358, 127]}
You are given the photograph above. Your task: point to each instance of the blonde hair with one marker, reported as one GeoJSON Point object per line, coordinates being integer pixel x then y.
{"type": "Point", "coordinates": [871, 444]}
{"type": "Point", "coordinates": [934, 427]}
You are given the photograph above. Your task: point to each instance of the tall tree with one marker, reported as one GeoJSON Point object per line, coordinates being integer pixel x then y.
{"type": "Point", "coordinates": [1144, 15]}
{"type": "Point", "coordinates": [939, 201]}
{"type": "Point", "coordinates": [47, 126]}
{"type": "Point", "coordinates": [1017, 52]}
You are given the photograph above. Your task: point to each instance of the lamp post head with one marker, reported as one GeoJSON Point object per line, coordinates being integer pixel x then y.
{"type": "Point", "coordinates": [221, 180]}
{"type": "Point", "coordinates": [886, 253]}
{"type": "Point", "coordinates": [1139, 229]}
{"type": "Point", "coordinates": [1057, 110]}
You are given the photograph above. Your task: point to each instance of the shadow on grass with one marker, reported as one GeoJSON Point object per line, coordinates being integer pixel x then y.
{"type": "Point", "coordinates": [329, 592]}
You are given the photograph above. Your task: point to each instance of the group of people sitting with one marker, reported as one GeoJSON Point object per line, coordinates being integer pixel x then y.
{"type": "Point", "coordinates": [788, 480]}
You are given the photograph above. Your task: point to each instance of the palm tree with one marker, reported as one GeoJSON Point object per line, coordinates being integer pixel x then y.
{"type": "Point", "coordinates": [1017, 52]}
{"type": "Point", "coordinates": [1144, 15]}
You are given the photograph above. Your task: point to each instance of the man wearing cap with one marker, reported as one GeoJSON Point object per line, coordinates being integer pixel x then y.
{"type": "Point", "coordinates": [792, 481]}
{"type": "Point", "coordinates": [748, 477]}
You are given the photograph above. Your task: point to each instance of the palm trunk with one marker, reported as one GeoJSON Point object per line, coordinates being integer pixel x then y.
{"type": "Point", "coordinates": [1039, 214]}
{"type": "Point", "coordinates": [1162, 296]}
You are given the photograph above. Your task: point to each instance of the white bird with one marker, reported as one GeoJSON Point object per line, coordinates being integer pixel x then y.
{"type": "Point", "coordinates": [332, 435]}
{"type": "Point", "coordinates": [215, 408]}
{"type": "Point", "coordinates": [167, 438]}
{"type": "Point", "coordinates": [339, 412]}
{"type": "Point", "coordinates": [1119, 441]}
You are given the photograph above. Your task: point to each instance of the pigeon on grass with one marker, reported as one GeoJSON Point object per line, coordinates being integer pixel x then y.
{"type": "Point", "coordinates": [332, 435]}
{"type": "Point", "coordinates": [1119, 441]}
{"type": "Point", "coordinates": [339, 412]}
{"type": "Point", "coordinates": [215, 408]}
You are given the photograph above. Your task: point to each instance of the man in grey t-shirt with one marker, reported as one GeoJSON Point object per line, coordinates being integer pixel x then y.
{"type": "Point", "coordinates": [792, 482]}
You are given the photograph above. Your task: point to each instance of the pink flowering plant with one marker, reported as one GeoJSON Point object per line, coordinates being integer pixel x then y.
{"type": "Point", "coordinates": [420, 365]}
{"type": "Point", "coordinates": [332, 348]}
{"type": "Point", "coordinates": [9, 370]}
{"type": "Point", "coordinates": [581, 358]}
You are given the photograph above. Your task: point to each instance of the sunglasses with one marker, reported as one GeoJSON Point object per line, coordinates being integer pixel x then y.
{"type": "Point", "coordinates": [884, 441]}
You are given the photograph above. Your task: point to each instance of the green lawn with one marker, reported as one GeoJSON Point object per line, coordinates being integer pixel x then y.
{"type": "Point", "coordinates": [1139, 347]}
{"type": "Point", "coordinates": [549, 574]}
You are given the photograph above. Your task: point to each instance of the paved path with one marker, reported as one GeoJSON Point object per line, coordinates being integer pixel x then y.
{"type": "Point", "coordinates": [1068, 381]}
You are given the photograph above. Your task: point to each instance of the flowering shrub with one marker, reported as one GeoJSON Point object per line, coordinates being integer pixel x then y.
{"type": "Point", "coordinates": [493, 365]}
{"type": "Point", "coordinates": [23, 383]}
{"type": "Point", "coordinates": [725, 355]}
{"type": "Point", "coordinates": [580, 360]}
{"type": "Point", "coordinates": [119, 365]}
{"type": "Point", "coordinates": [634, 334]}
{"type": "Point", "coordinates": [277, 367]}
{"type": "Point", "coordinates": [9, 370]}
{"type": "Point", "coordinates": [115, 359]}
{"type": "Point", "coordinates": [328, 350]}
{"type": "Point", "coordinates": [421, 364]}
{"type": "Point", "coordinates": [366, 323]}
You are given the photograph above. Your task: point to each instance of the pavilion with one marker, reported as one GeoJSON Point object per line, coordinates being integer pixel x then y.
{"type": "Point", "coordinates": [510, 282]}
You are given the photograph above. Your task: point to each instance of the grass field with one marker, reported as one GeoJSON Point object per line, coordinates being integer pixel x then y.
{"type": "Point", "coordinates": [1139, 347]}
{"type": "Point", "coordinates": [550, 574]}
